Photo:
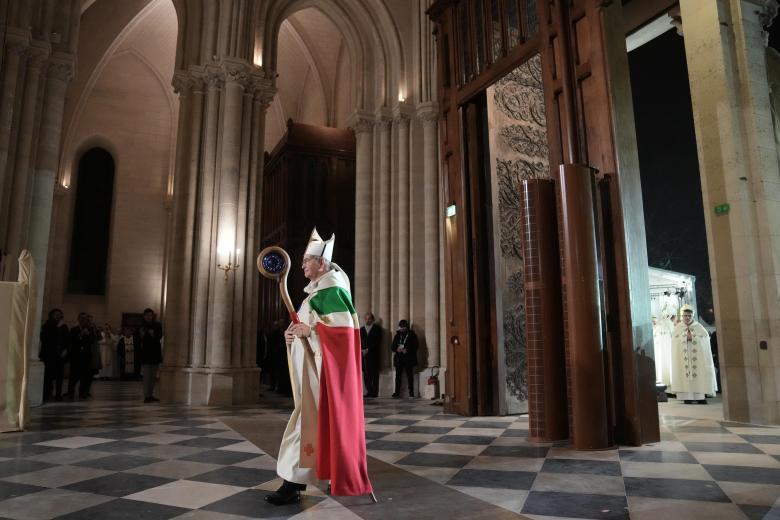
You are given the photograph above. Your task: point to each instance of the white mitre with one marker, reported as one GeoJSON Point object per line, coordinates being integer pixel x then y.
{"type": "Point", "coordinates": [319, 247]}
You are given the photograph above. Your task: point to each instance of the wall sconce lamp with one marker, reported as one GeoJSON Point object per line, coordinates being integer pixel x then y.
{"type": "Point", "coordinates": [230, 265]}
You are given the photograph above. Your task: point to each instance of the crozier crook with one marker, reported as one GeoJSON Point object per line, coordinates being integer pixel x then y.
{"type": "Point", "coordinates": [273, 262]}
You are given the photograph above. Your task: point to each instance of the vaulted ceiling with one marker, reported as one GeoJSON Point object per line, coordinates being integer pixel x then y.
{"type": "Point", "coordinates": [313, 65]}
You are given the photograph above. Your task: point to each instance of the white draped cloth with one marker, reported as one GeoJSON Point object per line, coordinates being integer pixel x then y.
{"type": "Point", "coordinates": [296, 463]}
{"type": "Point", "coordinates": [16, 337]}
{"type": "Point", "coordinates": [693, 369]}
{"type": "Point", "coordinates": [662, 342]}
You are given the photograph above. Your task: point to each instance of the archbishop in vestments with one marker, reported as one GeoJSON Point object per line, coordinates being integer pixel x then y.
{"type": "Point", "coordinates": [325, 436]}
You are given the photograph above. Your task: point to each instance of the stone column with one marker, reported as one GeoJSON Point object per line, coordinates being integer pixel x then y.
{"type": "Point", "coordinates": [16, 44]}
{"type": "Point", "coordinates": [219, 337]}
{"type": "Point", "coordinates": [382, 299]}
{"type": "Point", "coordinates": [179, 280]}
{"type": "Point", "coordinates": [216, 193]}
{"type": "Point", "coordinates": [20, 168]}
{"type": "Point", "coordinates": [59, 73]}
{"type": "Point", "coordinates": [725, 49]}
{"type": "Point", "coordinates": [361, 285]}
{"type": "Point", "coordinates": [432, 219]}
{"type": "Point", "coordinates": [400, 249]}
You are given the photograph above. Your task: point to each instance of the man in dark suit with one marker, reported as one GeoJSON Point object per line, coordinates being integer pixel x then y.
{"type": "Point", "coordinates": [371, 345]}
{"type": "Point", "coordinates": [82, 338]}
{"type": "Point", "coordinates": [151, 333]}
{"type": "Point", "coordinates": [404, 349]}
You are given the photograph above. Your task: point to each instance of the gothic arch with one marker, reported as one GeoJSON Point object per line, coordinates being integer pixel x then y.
{"type": "Point", "coordinates": [371, 37]}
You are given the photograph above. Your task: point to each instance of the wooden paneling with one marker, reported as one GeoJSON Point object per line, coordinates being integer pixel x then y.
{"type": "Point", "coordinates": [309, 180]}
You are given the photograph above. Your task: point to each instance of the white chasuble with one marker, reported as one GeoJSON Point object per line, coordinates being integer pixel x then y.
{"type": "Point", "coordinates": [297, 453]}
{"type": "Point", "coordinates": [693, 369]}
{"type": "Point", "coordinates": [662, 344]}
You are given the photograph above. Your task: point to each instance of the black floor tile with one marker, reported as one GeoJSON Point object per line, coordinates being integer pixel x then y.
{"type": "Point", "coordinates": [576, 505]}
{"type": "Point", "coordinates": [397, 422]}
{"type": "Point", "coordinates": [657, 456]}
{"type": "Point", "coordinates": [493, 479]}
{"type": "Point", "coordinates": [486, 424]}
{"type": "Point", "coordinates": [743, 474]}
{"type": "Point", "coordinates": [121, 434]}
{"type": "Point", "coordinates": [515, 432]}
{"type": "Point", "coordinates": [465, 439]}
{"type": "Point", "coordinates": [195, 431]}
{"type": "Point", "coordinates": [537, 452]}
{"type": "Point", "coordinates": [375, 435]}
{"type": "Point", "coordinates": [190, 423]}
{"type": "Point", "coordinates": [674, 488]}
{"type": "Point", "coordinates": [760, 512]}
{"type": "Point", "coordinates": [762, 439]}
{"type": "Point", "coordinates": [252, 503]}
{"type": "Point", "coordinates": [374, 415]}
{"type": "Point", "coordinates": [206, 442]}
{"type": "Point", "coordinates": [220, 457]}
{"type": "Point", "coordinates": [121, 509]}
{"type": "Point", "coordinates": [698, 429]}
{"type": "Point", "coordinates": [19, 466]}
{"type": "Point", "coordinates": [732, 424]}
{"type": "Point", "coordinates": [118, 462]}
{"type": "Point", "coordinates": [446, 417]}
{"type": "Point", "coordinates": [580, 467]}
{"type": "Point", "coordinates": [36, 437]}
{"type": "Point", "coordinates": [121, 446]}
{"type": "Point", "coordinates": [12, 490]}
{"type": "Point", "coordinates": [722, 447]}
{"type": "Point", "coordinates": [441, 460]}
{"type": "Point", "coordinates": [118, 484]}
{"type": "Point", "coordinates": [396, 445]}
{"type": "Point", "coordinates": [27, 450]}
{"type": "Point", "coordinates": [233, 476]}
{"type": "Point", "coordinates": [433, 430]}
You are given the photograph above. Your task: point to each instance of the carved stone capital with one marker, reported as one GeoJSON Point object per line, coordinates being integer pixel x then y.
{"type": "Point", "coordinates": [428, 113]}
{"type": "Point", "coordinates": [361, 122]}
{"type": "Point", "coordinates": [61, 67]}
{"type": "Point", "coordinates": [215, 80]}
{"type": "Point", "coordinates": [182, 82]}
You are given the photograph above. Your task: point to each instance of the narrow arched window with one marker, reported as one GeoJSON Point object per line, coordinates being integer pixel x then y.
{"type": "Point", "coordinates": [91, 223]}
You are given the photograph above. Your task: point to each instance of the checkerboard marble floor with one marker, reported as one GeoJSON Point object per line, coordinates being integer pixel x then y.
{"type": "Point", "coordinates": [113, 457]}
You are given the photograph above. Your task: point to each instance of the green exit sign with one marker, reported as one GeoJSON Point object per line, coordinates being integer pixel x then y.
{"type": "Point", "coordinates": [722, 209]}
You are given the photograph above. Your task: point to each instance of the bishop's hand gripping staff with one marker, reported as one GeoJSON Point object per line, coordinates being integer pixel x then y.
{"type": "Point", "coordinates": [273, 262]}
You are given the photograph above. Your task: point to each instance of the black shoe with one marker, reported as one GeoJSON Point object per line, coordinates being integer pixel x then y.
{"type": "Point", "coordinates": [687, 401]}
{"type": "Point", "coordinates": [701, 401]}
{"type": "Point", "coordinates": [154, 400]}
{"type": "Point", "coordinates": [396, 395]}
{"type": "Point", "coordinates": [288, 493]}
{"type": "Point", "coordinates": [147, 400]}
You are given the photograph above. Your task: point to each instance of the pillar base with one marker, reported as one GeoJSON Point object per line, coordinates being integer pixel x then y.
{"type": "Point", "coordinates": [35, 371]}
{"type": "Point", "coordinates": [209, 386]}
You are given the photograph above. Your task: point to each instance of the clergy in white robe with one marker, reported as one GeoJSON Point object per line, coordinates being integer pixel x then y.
{"type": "Point", "coordinates": [693, 370]}
{"type": "Point", "coordinates": [662, 343]}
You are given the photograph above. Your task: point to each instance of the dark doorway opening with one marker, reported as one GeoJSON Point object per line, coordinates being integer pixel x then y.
{"type": "Point", "coordinates": [91, 223]}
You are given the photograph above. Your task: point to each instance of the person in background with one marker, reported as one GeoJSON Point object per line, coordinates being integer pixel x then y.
{"type": "Point", "coordinates": [404, 349]}
{"type": "Point", "coordinates": [126, 353]}
{"type": "Point", "coordinates": [371, 345]}
{"type": "Point", "coordinates": [54, 353]}
{"type": "Point", "coordinates": [151, 333]}
{"type": "Point", "coordinates": [82, 339]}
